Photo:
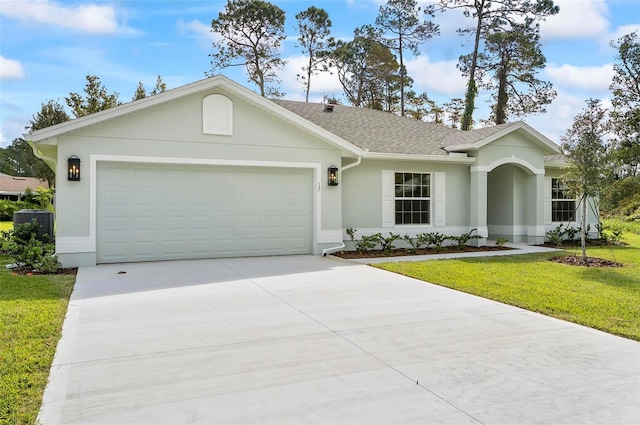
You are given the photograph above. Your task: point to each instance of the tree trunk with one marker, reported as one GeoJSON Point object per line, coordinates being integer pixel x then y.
{"type": "Point", "coordinates": [402, 73]}
{"type": "Point", "coordinates": [583, 229]}
{"type": "Point", "coordinates": [501, 103]}
{"type": "Point", "coordinates": [469, 105]}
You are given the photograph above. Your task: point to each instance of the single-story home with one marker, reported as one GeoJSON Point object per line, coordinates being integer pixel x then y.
{"type": "Point", "coordinates": [13, 188]}
{"type": "Point", "coordinates": [211, 169]}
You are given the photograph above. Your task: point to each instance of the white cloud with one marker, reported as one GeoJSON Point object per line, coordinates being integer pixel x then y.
{"type": "Point", "coordinates": [86, 18]}
{"type": "Point", "coordinates": [624, 30]}
{"type": "Point", "coordinates": [441, 77]}
{"type": "Point", "coordinates": [202, 32]}
{"type": "Point", "coordinates": [325, 83]}
{"type": "Point", "coordinates": [10, 69]}
{"type": "Point", "coordinates": [577, 19]}
{"type": "Point", "coordinates": [592, 78]}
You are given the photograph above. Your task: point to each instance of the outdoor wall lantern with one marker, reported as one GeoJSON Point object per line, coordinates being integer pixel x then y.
{"type": "Point", "coordinates": [73, 168]}
{"type": "Point", "coordinates": [332, 175]}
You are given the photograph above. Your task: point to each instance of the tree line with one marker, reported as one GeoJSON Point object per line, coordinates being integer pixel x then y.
{"type": "Point", "coordinates": [505, 58]}
{"type": "Point", "coordinates": [18, 158]}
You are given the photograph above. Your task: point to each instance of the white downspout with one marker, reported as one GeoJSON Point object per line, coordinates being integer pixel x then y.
{"type": "Point", "coordinates": [342, 245]}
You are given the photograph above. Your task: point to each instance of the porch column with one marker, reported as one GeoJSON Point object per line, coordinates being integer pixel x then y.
{"type": "Point", "coordinates": [535, 209]}
{"type": "Point", "coordinates": [478, 207]}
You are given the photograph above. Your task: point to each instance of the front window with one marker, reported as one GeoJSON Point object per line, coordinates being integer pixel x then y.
{"type": "Point", "coordinates": [563, 207]}
{"type": "Point", "coordinates": [413, 198]}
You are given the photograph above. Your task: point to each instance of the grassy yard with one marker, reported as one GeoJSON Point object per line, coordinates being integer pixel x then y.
{"type": "Point", "coordinates": [32, 309]}
{"type": "Point", "coordinates": [603, 298]}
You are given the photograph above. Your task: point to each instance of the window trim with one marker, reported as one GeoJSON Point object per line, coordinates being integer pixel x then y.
{"type": "Point", "coordinates": [564, 200]}
{"type": "Point", "coordinates": [429, 199]}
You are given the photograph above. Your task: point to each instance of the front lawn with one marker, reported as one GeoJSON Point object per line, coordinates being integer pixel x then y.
{"type": "Point", "coordinates": [602, 298]}
{"type": "Point", "coordinates": [32, 309]}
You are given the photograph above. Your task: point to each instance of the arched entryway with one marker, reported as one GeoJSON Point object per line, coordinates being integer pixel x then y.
{"type": "Point", "coordinates": [508, 203]}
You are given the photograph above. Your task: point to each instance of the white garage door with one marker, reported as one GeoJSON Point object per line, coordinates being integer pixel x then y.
{"type": "Point", "coordinates": [148, 212]}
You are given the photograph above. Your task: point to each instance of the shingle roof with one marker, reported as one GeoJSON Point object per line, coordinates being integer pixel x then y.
{"type": "Point", "coordinates": [374, 130]}
{"type": "Point", "coordinates": [473, 136]}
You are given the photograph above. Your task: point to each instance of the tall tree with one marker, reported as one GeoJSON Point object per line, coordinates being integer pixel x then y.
{"type": "Point", "coordinates": [251, 32]}
{"type": "Point", "coordinates": [508, 67]}
{"type": "Point", "coordinates": [625, 117]}
{"type": "Point", "coordinates": [453, 110]}
{"type": "Point", "coordinates": [368, 71]}
{"type": "Point", "coordinates": [141, 91]}
{"type": "Point", "coordinates": [50, 113]}
{"type": "Point", "coordinates": [589, 165]}
{"type": "Point", "coordinates": [19, 159]}
{"type": "Point", "coordinates": [314, 27]}
{"type": "Point", "coordinates": [491, 16]}
{"type": "Point", "coordinates": [96, 98]}
{"type": "Point", "coordinates": [160, 86]}
{"type": "Point", "coordinates": [402, 30]}
{"type": "Point", "coordinates": [352, 62]}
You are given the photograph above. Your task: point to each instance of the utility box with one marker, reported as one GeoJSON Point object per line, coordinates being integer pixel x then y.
{"type": "Point", "coordinates": [44, 219]}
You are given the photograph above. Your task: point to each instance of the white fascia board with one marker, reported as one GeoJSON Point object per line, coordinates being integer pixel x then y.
{"type": "Point", "coordinates": [555, 164]}
{"type": "Point", "coordinates": [425, 158]}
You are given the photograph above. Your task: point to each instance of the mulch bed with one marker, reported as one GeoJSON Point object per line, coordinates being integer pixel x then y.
{"type": "Point", "coordinates": [574, 260]}
{"type": "Point", "coordinates": [25, 271]}
{"type": "Point", "coordinates": [400, 252]}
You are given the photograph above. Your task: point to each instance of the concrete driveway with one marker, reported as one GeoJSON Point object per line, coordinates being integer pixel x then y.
{"type": "Point", "coordinates": [307, 339]}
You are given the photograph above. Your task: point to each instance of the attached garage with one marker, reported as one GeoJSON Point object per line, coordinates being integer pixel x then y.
{"type": "Point", "coordinates": [149, 212]}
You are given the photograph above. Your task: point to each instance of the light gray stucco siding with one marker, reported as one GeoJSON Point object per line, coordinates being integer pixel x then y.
{"type": "Point", "coordinates": [173, 133]}
{"type": "Point", "coordinates": [362, 196]}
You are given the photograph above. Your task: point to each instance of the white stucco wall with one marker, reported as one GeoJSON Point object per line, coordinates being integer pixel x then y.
{"type": "Point", "coordinates": [173, 132]}
{"type": "Point", "coordinates": [362, 196]}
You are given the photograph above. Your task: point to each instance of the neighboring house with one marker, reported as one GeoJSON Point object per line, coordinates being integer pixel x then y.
{"type": "Point", "coordinates": [14, 188]}
{"type": "Point", "coordinates": [211, 169]}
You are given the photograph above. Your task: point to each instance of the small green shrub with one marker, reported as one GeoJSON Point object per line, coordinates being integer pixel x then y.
{"type": "Point", "coordinates": [501, 241]}
{"type": "Point", "coordinates": [365, 243]}
{"type": "Point", "coordinates": [368, 243]}
{"type": "Point", "coordinates": [22, 244]}
{"type": "Point", "coordinates": [387, 242]}
{"type": "Point", "coordinates": [413, 244]}
{"type": "Point", "coordinates": [556, 235]}
{"type": "Point", "coordinates": [436, 239]}
{"type": "Point", "coordinates": [464, 238]}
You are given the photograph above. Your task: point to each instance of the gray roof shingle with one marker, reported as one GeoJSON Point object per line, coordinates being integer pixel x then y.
{"type": "Point", "coordinates": [377, 131]}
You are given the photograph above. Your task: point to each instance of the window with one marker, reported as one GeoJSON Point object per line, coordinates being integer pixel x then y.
{"type": "Point", "coordinates": [563, 207]}
{"type": "Point", "coordinates": [413, 198]}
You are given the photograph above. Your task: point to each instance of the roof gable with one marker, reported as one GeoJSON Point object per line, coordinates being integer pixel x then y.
{"type": "Point", "coordinates": [218, 81]}
{"type": "Point", "coordinates": [476, 139]}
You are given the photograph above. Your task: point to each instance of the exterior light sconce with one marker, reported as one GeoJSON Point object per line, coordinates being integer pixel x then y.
{"type": "Point", "coordinates": [332, 175]}
{"type": "Point", "coordinates": [73, 168]}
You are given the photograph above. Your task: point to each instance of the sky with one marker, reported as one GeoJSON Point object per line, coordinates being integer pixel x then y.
{"type": "Point", "coordinates": [47, 48]}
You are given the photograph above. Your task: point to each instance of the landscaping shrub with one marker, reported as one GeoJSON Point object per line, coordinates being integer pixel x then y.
{"type": "Point", "coordinates": [23, 246]}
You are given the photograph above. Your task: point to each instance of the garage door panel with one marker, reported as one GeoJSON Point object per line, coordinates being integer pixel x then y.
{"type": "Point", "coordinates": [158, 211]}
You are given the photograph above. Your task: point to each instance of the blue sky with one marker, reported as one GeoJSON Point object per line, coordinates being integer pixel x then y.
{"type": "Point", "coordinates": [47, 47]}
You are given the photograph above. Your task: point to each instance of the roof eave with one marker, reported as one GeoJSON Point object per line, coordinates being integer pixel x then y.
{"type": "Point", "coordinates": [423, 158]}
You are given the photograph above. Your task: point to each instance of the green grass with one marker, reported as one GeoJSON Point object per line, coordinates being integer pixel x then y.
{"type": "Point", "coordinates": [602, 298]}
{"type": "Point", "coordinates": [6, 225]}
{"type": "Point", "coordinates": [32, 309]}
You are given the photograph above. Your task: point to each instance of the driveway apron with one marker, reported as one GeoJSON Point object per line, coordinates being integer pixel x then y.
{"type": "Point", "coordinates": [306, 339]}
